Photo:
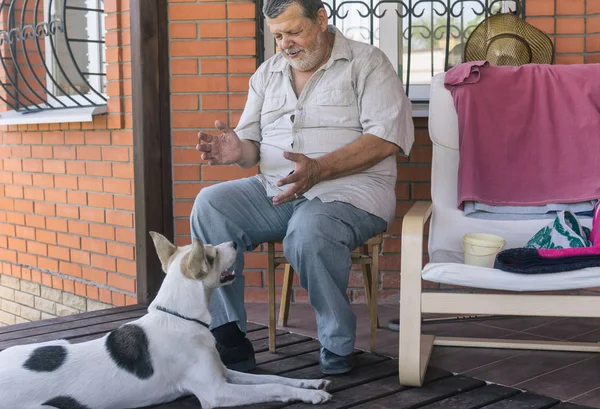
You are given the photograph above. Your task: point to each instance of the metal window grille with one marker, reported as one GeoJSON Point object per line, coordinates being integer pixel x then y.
{"type": "Point", "coordinates": [425, 37]}
{"type": "Point", "coordinates": [52, 54]}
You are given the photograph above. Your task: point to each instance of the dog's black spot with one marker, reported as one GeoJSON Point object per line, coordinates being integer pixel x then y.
{"type": "Point", "coordinates": [46, 359]}
{"type": "Point", "coordinates": [128, 347]}
{"type": "Point", "coordinates": [65, 402]}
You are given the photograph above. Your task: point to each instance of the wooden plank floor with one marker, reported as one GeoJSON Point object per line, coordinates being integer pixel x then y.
{"type": "Point", "coordinates": [372, 385]}
{"type": "Point", "coordinates": [566, 376]}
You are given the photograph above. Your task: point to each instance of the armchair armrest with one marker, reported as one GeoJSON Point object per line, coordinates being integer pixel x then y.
{"type": "Point", "coordinates": [412, 237]}
{"type": "Point", "coordinates": [414, 357]}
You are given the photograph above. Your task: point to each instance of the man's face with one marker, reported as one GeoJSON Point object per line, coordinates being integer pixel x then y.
{"type": "Point", "coordinates": [302, 42]}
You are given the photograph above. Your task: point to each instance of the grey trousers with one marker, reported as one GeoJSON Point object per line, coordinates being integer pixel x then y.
{"type": "Point", "coordinates": [317, 240]}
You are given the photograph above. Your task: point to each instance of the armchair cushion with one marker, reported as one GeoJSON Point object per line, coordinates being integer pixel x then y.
{"type": "Point", "coordinates": [494, 279]}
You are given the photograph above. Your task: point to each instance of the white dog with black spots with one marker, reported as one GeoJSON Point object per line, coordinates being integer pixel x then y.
{"type": "Point", "coordinates": [166, 354]}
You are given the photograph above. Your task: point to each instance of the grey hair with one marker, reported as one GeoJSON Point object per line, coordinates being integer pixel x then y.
{"type": "Point", "coordinates": [274, 8]}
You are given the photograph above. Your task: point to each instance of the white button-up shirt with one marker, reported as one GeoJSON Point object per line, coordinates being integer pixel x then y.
{"type": "Point", "coordinates": [356, 92]}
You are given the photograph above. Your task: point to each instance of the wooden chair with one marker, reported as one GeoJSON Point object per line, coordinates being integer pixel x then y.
{"type": "Point", "coordinates": [370, 270]}
{"type": "Point", "coordinates": [447, 227]}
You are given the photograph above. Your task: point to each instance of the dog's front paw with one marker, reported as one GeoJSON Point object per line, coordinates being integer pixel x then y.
{"type": "Point", "coordinates": [314, 383]}
{"type": "Point", "coordinates": [317, 397]}
{"type": "Point", "coordinates": [323, 384]}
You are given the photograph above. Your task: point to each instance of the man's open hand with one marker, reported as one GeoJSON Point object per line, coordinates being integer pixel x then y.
{"type": "Point", "coordinates": [305, 176]}
{"type": "Point", "coordinates": [222, 149]}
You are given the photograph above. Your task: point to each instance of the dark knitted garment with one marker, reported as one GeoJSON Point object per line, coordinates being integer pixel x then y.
{"type": "Point", "coordinates": [528, 261]}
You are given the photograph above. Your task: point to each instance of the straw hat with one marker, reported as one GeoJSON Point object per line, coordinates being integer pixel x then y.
{"type": "Point", "coordinates": [506, 39]}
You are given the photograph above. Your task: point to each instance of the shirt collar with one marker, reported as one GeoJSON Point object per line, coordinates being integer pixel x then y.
{"type": "Point", "coordinates": [341, 50]}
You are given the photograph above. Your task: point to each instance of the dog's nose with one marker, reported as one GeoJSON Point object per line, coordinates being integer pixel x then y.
{"type": "Point", "coordinates": [234, 246]}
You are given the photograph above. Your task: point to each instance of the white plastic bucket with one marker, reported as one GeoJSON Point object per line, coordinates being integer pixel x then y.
{"type": "Point", "coordinates": [481, 248]}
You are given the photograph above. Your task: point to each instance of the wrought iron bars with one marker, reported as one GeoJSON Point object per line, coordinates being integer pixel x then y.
{"type": "Point", "coordinates": [41, 66]}
{"type": "Point", "coordinates": [426, 26]}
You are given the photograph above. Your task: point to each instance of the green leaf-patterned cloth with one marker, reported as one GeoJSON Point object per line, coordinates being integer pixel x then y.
{"type": "Point", "coordinates": [564, 232]}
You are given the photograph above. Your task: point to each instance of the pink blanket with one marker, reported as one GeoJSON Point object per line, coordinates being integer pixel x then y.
{"type": "Point", "coordinates": [529, 135]}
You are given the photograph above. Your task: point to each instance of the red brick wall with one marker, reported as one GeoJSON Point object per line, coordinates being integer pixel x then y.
{"type": "Point", "coordinates": [573, 25]}
{"type": "Point", "coordinates": [66, 191]}
{"type": "Point", "coordinates": [212, 57]}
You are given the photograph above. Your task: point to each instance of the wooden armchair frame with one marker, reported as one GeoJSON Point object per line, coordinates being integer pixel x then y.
{"type": "Point", "coordinates": [415, 348]}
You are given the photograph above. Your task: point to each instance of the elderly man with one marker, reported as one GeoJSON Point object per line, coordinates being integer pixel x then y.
{"type": "Point", "coordinates": [324, 120]}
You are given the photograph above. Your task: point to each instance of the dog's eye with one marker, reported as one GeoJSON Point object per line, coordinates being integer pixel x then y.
{"type": "Point", "coordinates": [210, 260]}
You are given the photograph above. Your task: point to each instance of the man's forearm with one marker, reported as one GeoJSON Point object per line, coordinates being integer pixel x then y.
{"type": "Point", "coordinates": [363, 153]}
{"type": "Point", "coordinates": [250, 154]}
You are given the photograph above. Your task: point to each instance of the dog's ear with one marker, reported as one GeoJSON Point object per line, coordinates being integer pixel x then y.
{"type": "Point", "coordinates": [164, 249]}
{"type": "Point", "coordinates": [192, 263]}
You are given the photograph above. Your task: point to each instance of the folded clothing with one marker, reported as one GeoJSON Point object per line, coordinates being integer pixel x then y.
{"type": "Point", "coordinates": [530, 261]}
{"type": "Point", "coordinates": [561, 246]}
{"type": "Point", "coordinates": [571, 252]}
{"type": "Point", "coordinates": [595, 234]}
{"type": "Point", "coordinates": [477, 210]}
{"type": "Point", "coordinates": [565, 232]}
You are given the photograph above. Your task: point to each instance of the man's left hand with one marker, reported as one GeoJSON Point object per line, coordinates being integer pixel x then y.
{"type": "Point", "coordinates": [305, 176]}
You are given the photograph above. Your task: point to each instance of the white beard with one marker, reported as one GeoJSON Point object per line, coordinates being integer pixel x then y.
{"type": "Point", "coordinates": [310, 58]}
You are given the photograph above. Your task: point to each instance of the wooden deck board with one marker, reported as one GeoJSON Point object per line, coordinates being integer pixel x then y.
{"type": "Point", "coordinates": [85, 316]}
{"type": "Point", "coordinates": [262, 345]}
{"type": "Point", "coordinates": [429, 393]}
{"type": "Point", "coordinates": [288, 351]}
{"type": "Point", "coordinates": [524, 401]}
{"type": "Point", "coordinates": [69, 334]}
{"type": "Point", "coordinates": [568, 405]}
{"type": "Point", "coordinates": [476, 398]}
{"type": "Point", "coordinates": [373, 384]}
{"type": "Point", "coordinates": [48, 330]}
{"type": "Point", "coordinates": [262, 334]}
{"type": "Point", "coordinates": [367, 392]}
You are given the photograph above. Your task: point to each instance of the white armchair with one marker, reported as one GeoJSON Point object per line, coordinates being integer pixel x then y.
{"type": "Point", "coordinates": [447, 227]}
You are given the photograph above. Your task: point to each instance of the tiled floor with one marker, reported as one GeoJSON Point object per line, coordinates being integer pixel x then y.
{"type": "Point", "coordinates": [568, 376]}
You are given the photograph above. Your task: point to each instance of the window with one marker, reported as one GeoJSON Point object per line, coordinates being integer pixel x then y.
{"type": "Point", "coordinates": [420, 37]}
{"type": "Point", "coordinates": [52, 55]}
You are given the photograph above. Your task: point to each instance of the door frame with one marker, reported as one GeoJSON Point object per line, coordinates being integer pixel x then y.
{"type": "Point", "coordinates": [153, 180]}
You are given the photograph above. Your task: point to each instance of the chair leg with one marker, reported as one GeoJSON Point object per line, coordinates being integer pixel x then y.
{"type": "Point", "coordinates": [286, 295]}
{"type": "Point", "coordinates": [366, 272]}
{"type": "Point", "coordinates": [271, 291]}
{"type": "Point", "coordinates": [374, 290]}
{"type": "Point", "coordinates": [370, 278]}
{"type": "Point", "coordinates": [414, 349]}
